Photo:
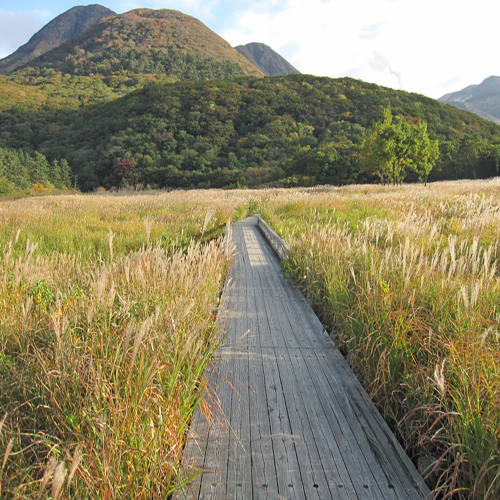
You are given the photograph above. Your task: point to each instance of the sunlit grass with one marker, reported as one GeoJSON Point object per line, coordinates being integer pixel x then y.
{"type": "Point", "coordinates": [107, 321]}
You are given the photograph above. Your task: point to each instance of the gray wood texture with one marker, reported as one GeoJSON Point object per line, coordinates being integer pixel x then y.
{"type": "Point", "coordinates": [289, 419]}
{"type": "Point", "coordinates": [279, 246]}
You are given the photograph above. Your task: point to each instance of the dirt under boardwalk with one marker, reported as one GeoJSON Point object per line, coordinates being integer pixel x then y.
{"type": "Point", "coordinates": [291, 421]}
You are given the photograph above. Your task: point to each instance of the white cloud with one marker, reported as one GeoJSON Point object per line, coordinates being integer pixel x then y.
{"type": "Point", "coordinates": [16, 28]}
{"type": "Point", "coordinates": [426, 46]}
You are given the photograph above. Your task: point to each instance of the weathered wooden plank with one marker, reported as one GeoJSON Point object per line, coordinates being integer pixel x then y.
{"type": "Point", "coordinates": [356, 426]}
{"type": "Point", "coordinates": [333, 447]}
{"type": "Point", "coordinates": [308, 433]}
{"type": "Point", "coordinates": [261, 447]}
{"type": "Point", "coordinates": [301, 332]}
{"type": "Point", "coordinates": [239, 479]}
{"type": "Point", "coordinates": [312, 469]}
{"type": "Point", "coordinates": [344, 422]}
{"type": "Point", "coordinates": [272, 460]}
{"type": "Point", "coordinates": [213, 483]}
{"type": "Point", "coordinates": [304, 336]}
{"type": "Point", "coordinates": [288, 474]}
{"type": "Point", "coordinates": [313, 477]}
{"type": "Point", "coordinates": [394, 457]}
{"type": "Point", "coordinates": [395, 490]}
{"type": "Point", "coordinates": [194, 454]}
{"type": "Point", "coordinates": [310, 324]}
{"type": "Point", "coordinates": [287, 478]}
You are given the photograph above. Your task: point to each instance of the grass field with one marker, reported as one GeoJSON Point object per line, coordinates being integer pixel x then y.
{"type": "Point", "coordinates": [107, 322]}
{"type": "Point", "coordinates": [107, 316]}
{"type": "Point", "coordinates": [407, 279]}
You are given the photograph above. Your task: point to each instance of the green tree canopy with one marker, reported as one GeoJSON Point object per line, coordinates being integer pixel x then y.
{"type": "Point", "coordinates": [392, 150]}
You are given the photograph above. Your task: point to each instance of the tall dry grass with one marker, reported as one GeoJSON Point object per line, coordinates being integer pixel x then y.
{"type": "Point", "coordinates": [80, 224]}
{"type": "Point", "coordinates": [105, 343]}
{"type": "Point", "coordinates": [102, 350]}
{"type": "Point", "coordinates": [407, 279]}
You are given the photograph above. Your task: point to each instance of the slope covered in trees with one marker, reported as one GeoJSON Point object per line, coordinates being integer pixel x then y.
{"type": "Point", "coordinates": [119, 55]}
{"type": "Point", "coordinates": [20, 170]}
{"type": "Point", "coordinates": [293, 130]}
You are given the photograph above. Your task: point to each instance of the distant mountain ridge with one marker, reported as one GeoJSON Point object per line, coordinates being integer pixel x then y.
{"type": "Point", "coordinates": [482, 99]}
{"type": "Point", "coordinates": [70, 24]}
{"type": "Point", "coordinates": [147, 41]}
{"type": "Point", "coordinates": [266, 59]}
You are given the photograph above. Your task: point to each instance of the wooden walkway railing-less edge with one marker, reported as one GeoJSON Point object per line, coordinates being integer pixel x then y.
{"type": "Point", "coordinates": [289, 419]}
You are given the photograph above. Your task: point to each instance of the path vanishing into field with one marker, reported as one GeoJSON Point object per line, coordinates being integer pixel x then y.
{"type": "Point", "coordinates": [291, 420]}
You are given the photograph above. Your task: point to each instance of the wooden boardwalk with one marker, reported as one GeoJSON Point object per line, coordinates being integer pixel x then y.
{"type": "Point", "coordinates": [291, 420]}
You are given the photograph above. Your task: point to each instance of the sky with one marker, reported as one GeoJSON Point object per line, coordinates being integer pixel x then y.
{"type": "Point", "coordinates": [431, 47]}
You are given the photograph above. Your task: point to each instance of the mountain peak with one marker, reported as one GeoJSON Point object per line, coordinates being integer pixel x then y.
{"type": "Point", "coordinates": [68, 25]}
{"type": "Point", "coordinates": [146, 42]}
{"type": "Point", "coordinates": [266, 59]}
{"type": "Point", "coordinates": [482, 99]}
{"type": "Point", "coordinates": [491, 83]}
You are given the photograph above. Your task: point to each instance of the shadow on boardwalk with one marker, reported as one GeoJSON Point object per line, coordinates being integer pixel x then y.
{"type": "Point", "coordinates": [294, 422]}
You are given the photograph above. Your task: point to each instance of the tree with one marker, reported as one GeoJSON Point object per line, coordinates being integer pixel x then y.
{"type": "Point", "coordinates": [472, 150]}
{"type": "Point", "coordinates": [425, 152]}
{"type": "Point", "coordinates": [391, 150]}
{"type": "Point", "coordinates": [41, 171]}
{"type": "Point", "coordinates": [125, 171]}
{"type": "Point", "coordinates": [66, 173]}
{"type": "Point", "coordinates": [321, 161]}
{"type": "Point", "coordinates": [55, 174]}
{"type": "Point", "coordinates": [377, 150]}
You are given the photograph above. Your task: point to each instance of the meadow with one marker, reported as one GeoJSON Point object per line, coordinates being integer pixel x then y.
{"type": "Point", "coordinates": [107, 320]}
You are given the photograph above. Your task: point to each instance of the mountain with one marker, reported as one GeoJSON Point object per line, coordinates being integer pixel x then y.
{"type": "Point", "coordinates": [482, 99]}
{"type": "Point", "coordinates": [266, 59]}
{"type": "Point", "coordinates": [245, 131]}
{"type": "Point", "coordinates": [146, 41]}
{"type": "Point", "coordinates": [155, 97]}
{"type": "Point", "coordinates": [68, 25]}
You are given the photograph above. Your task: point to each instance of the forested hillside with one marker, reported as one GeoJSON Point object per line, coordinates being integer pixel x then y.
{"type": "Point", "coordinates": [20, 170]}
{"type": "Point", "coordinates": [294, 130]}
{"type": "Point", "coordinates": [145, 41]}
{"type": "Point", "coordinates": [119, 55]}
